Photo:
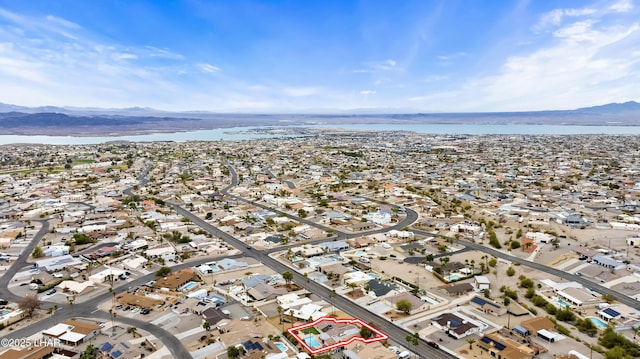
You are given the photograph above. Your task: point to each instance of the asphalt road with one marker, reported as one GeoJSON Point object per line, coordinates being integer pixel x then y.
{"type": "Point", "coordinates": [541, 267]}
{"type": "Point", "coordinates": [88, 309]}
{"type": "Point", "coordinates": [410, 218]}
{"type": "Point", "coordinates": [20, 263]}
{"type": "Point", "coordinates": [397, 334]}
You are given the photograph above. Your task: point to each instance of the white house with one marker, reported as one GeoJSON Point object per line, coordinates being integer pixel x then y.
{"type": "Point", "coordinates": [56, 251]}
{"type": "Point", "coordinates": [166, 253]}
{"type": "Point", "coordinates": [380, 218]}
{"type": "Point", "coordinates": [101, 276]}
{"type": "Point", "coordinates": [481, 282]}
{"type": "Point", "coordinates": [57, 263]}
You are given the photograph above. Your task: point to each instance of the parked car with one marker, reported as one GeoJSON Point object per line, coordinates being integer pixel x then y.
{"type": "Point", "coordinates": [51, 291]}
{"type": "Point", "coordinates": [433, 344]}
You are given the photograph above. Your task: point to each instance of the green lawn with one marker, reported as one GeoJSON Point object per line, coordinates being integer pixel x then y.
{"type": "Point", "coordinates": [311, 330]}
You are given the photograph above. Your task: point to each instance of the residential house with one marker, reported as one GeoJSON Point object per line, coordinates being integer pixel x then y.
{"type": "Point", "coordinates": [43, 278]}
{"type": "Point", "coordinates": [334, 246]}
{"type": "Point", "coordinates": [609, 314]}
{"type": "Point", "coordinates": [379, 288]}
{"type": "Point", "coordinates": [536, 324]}
{"type": "Point", "coordinates": [72, 332]}
{"type": "Point", "coordinates": [335, 271]}
{"type": "Point", "coordinates": [28, 352]}
{"type": "Point", "coordinates": [486, 306]}
{"type": "Point", "coordinates": [504, 348]}
{"type": "Point", "coordinates": [481, 282]}
{"type": "Point", "coordinates": [228, 264]}
{"type": "Point", "coordinates": [578, 297]}
{"type": "Point", "coordinates": [265, 292]}
{"type": "Point", "coordinates": [214, 315]}
{"type": "Point", "coordinates": [417, 304]}
{"type": "Point", "coordinates": [56, 251]}
{"type": "Point", "coordinates": [608, 262]}
{"type": "Point", "coordinates": [458, 289]}
{"type": "Point", "coordinates": [166, 253]}
{"type": "Point", "coordinates": [456, 324]}
{"type": "Point", "coordinates": [360, 226]}
{"type": "Point", "coordinates": [360, 242]}
{"type": "Point", "coordinates": [176, 280]}
{"type": "Point", "coordinates": [57, 263]}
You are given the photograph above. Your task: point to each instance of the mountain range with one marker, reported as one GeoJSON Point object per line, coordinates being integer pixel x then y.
{"type": "Point", "coordinates": [49, 120]}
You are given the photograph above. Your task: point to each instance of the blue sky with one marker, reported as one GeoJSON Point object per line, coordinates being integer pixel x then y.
{"type": "Point", "coordinates": [320, 56]}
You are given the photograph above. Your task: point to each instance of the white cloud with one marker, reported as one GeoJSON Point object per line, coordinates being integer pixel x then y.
{"type": "Point", "coordinates": [578, 31]}
{"type": "Point", "coordinates": [208, 68]}
{"type": "Point", "coordinates": [582, 63]}
{"type": "Point", "coordinates": [125, 56]}
{"type": "Point", "coordinates": [379, 66]}
{"type": "Point", "coordinates": [63, 22]}
{"type": "Point", "coordinates": [622, 6]}
{"type": "Point", "coordinates": [554, 17]}
{"type": "Point", "coordinates": [300, 91]}
{"type": "Point", "coordinates": [436, 78]}
{"type": "Point", "coordinates": [451, 56]}
{"type": "Point", "coordinates": [580, 69]}
{"type": "Point", "coordinates": [367, 92]}
{"type": "Point", "coordinates": [162, 53]}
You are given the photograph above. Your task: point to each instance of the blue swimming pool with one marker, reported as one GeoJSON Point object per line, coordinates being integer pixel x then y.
{"type": "Point", "coordinates": [281, 346]}
{"type": "Point", "coordinates": [374, 275]}
{"type": "Point", "coordinates": [214, 267]}
{"type": "Point", "coordinates": [216, 298]}
{"type": "Point", "coordinates": [429, 300]}
{"type": "Point", "coordinates": [189, 285]}
{"type": "Point", "coordinates": [312, 342]}
{"type": "Point", "coordinates": [563, 303]}
{"type": "Point", "coordinates": [360, 253]}
{"type": "Point", "coordinates": [4, 312]}
{"type": "Point", "coordinates": [453, 277]}
{"type": "Point", "coordinates": [598, 322]}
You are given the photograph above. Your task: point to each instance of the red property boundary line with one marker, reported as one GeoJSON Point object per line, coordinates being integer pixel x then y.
{"type": "Point", "coordinates": [380, 336]}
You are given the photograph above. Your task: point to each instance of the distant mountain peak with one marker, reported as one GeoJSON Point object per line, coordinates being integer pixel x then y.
{"type": "Point", "coordinates": [613, 107]}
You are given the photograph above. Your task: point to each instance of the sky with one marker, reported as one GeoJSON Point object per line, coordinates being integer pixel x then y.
{"type": "Point", "coordinates": [304, 56]}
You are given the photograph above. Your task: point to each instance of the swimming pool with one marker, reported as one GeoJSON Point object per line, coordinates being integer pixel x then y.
{"type": "Point", "coordinates": [598, 322]}
{"type": "Point", "coordinates": [214, 268]}
{"type": "Point", "coordinates": [453, 277]}
{"type": "Point", "coordinates": [360, 253]}
{"type": "Point", "coordinates": [429, 300]}
{"type": "Point", "coordinates": [312, 342]}
{"type": "Point", "coordinates": [216, 298]}
{"type": "Point", "coordinates": [563, 303]}
{"type": "Point", "coordinates": [281, 346]}
{"type": "Point", "coordinates": [373, 275]}
{"type": "Point", "coordinates": [4, 312]}
{"type": "Point", "coordinates": [189, 285]}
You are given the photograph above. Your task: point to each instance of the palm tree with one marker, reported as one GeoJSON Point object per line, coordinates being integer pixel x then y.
{"type": "Point", "coordinates": [133, 331]}
{"type": "Point", "coordinates": [280, 314]}
{"type": "Point", "coordinates": [471, 341]}
{"type": "Point", "coordinates": [288, 277]}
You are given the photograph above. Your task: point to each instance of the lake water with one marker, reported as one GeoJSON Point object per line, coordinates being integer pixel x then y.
{"type": "Point", "coordinates": [225, 134]}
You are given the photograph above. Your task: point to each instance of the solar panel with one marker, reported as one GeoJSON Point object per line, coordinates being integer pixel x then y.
{"type": "Point", "coordinates": [124, 345]}
{"type": "Point", "coordinates": [611, 312]}
{"type": "Point", "coordinates": [106, 347]}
